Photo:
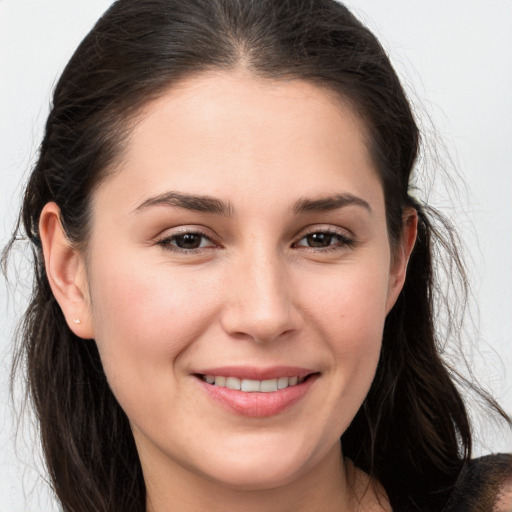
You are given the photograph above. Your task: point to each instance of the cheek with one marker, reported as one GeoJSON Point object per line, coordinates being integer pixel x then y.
{"type": "Point", "coordinates": [143, 321]}
{"type": "Point", "coordinates": [350, 305]}
{"type": "Point", "coordinates": [362, 308]}
{"type": "Point", "coordinates": [351, 312]}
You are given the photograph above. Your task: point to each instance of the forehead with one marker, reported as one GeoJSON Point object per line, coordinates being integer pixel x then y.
{"type": "Point", "coordinates": [233, 134]}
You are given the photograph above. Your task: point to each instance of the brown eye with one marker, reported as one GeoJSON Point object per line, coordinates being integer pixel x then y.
{"type": "Point", "coordinates": [324, 240]}
{"type": "Point", "coordinates": [321, 239]}
{"type": "Point", "coordinates": [185, 242]}
{"type": "Point", "coordinates": [188, 241]}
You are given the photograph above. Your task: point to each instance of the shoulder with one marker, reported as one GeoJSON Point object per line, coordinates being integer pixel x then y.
{"type": "Point", "coordinates": [484, 485]}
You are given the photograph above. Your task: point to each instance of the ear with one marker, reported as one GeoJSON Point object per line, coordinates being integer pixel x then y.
{"type": "Point", "coordinates": [65, 268]}
{"type": "Point", "coordinates": [401, 255]}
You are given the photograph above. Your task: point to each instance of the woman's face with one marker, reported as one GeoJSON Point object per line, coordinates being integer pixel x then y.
{"type": "Point", "coordinates": [241, 241]}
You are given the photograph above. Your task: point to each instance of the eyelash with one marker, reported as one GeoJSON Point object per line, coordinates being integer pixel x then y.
{"type": "Point", "coordinates": [343, 241]}
{"type": "Point", "coordinates": [168, 243]}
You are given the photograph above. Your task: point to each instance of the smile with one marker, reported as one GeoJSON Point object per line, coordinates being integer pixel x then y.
{"type": "Point", "coordinates": [255, 392]}
{"type": "Point", "coordinates": [253, 385]}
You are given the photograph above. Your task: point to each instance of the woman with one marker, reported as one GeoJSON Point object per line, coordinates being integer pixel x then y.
{"type": "Point", "coordinates": [232, 273]}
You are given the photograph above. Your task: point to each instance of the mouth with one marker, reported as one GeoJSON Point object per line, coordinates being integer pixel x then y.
{"type": "Point", "coordinates": [240, 391]}
{"type": "Point", "coordinates": [253, 385]}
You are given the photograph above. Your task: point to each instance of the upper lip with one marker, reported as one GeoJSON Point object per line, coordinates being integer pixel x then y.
{"type": "Point", "coordinates": [256, 373]}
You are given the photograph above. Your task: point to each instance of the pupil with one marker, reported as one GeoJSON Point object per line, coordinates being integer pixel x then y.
{"type": "Point", "coordinates": [188, 241]}
{"type": "Point", "coordinates": [319, 239]}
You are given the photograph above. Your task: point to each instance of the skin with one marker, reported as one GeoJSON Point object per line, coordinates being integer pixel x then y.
{"type": "Point", "coordinates": [254, 293]}
{"type": "Point", "coordinates": [504, 501]}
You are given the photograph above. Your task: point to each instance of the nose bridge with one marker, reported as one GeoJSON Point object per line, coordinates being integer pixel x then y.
{"type": "Point", "coordinates": [260, 305]}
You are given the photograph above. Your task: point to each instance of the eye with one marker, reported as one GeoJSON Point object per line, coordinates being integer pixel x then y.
{"type": "Point", "coordinates": [188, 241]}
{"type": "Point", "coordinates": [324, 239]}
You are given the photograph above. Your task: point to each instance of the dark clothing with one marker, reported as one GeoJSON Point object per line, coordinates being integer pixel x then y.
{"type": "Point", "coordinates": [478, 488]}
{"type": "Point", "coordinates": [480, 483]}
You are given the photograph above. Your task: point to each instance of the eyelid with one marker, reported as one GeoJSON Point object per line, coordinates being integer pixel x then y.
{"type": "Point", "coordinates": [165, 241]}
{"type": "Point", "coordinates": [324, 228]}
{"type": "Point", "coordinates": [347, 237]}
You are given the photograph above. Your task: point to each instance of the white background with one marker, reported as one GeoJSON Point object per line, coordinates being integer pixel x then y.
{"type": "Point", "coordinates": [455, 58]}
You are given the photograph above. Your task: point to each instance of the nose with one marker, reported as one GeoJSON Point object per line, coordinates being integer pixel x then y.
{"type": "Point", "coordinates": [260, 304]}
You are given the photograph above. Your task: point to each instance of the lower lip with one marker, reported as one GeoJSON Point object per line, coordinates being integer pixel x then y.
{"type": "Point", "coordinates": [258, 405]}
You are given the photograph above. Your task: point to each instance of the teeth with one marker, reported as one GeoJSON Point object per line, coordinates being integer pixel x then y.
{"type": "Point", "coordinates": [233, 383]}
{"type": "Point", "coordinates": [219, 381]}
{"type": "Point", "coordinates": [269, 385]}
{"type": "Point", "coordinates": [282, 382]}
{"type": "Point", "coordinates": [252, 385]}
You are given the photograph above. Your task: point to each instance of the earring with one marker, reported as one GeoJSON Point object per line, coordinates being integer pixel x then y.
{"type": "Point", "coordinates": [76, 320]}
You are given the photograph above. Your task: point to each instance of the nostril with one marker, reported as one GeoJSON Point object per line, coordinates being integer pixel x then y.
{"type": "Point", "coordinates": [257, 328]}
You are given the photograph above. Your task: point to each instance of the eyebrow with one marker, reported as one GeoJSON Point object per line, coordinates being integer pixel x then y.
{"type": "Point", "coordinates": [205, 204]}
{"type": "Point", "coordinates": [208, 204]}
{"type": "Point", "coordinates": [328, 203]}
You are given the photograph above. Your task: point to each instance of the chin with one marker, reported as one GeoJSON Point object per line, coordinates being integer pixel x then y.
{"type": "Point", "coordinates": [256, 478]}
{"type": "Point", "coordinates": [259, 469]}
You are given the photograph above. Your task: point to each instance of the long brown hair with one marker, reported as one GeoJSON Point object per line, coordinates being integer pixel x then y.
{"type": "Point", "coordinates": [412, 431]}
